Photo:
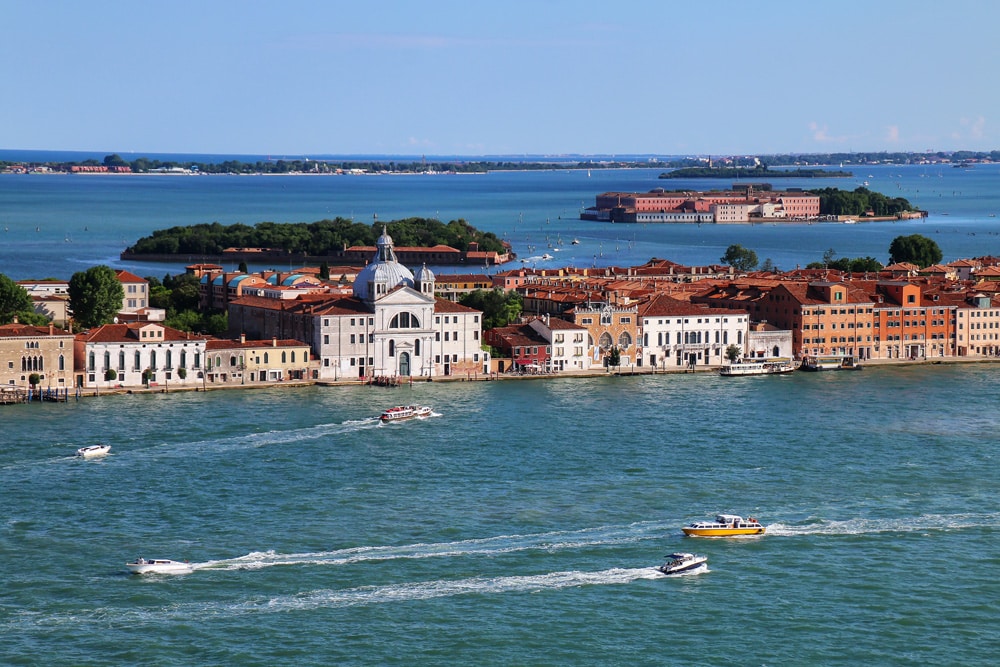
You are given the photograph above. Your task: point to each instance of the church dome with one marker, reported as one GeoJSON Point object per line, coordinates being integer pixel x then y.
{"type": "Point", "coordinates": [383, 271]}
{"type": "Point", "coordinates": [424, 275]}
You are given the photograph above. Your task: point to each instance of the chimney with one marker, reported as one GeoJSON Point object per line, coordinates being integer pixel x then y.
{"type": "Point", "coordinates": [274, 342]}
{"type": "Point", "coordinates": [243, 338]}
{"type": "Point", "coordinates": [52, 329]}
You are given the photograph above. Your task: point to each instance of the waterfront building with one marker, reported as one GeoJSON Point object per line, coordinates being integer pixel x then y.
{"type": "Point", "coordinates": [977, 326]}
{"type": "Point", "coordinates": [392, 325]}
{"type": "Point", "coordinates": [140, 354]}
{"type": "Point", "coordinates": [610, 327]}
{"type": "Point", "coordinates": [568, 342]}
{"type": "Point", "coordinates": [766, 341]}
{"type": "Point", "coordinates": [915, 320]}
{"type": "Point", "coordinates": [241, 361]}
{"type": "Point", "coordinates": [730, 206]}
{"type": "Point", "coordinates": [26, 350]}
{"type": "Point", "coordinates": [681, 334]}
{"type": "Point", "coordinates": [524, 349]}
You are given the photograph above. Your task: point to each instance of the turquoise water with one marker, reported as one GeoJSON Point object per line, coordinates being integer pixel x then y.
{"type": "Point", "coordinates": [57, 225]}
{"type": "Point", "coordinates": [519, 525]}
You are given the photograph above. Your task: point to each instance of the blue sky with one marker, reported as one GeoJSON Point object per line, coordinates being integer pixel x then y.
{"type": "Point", "coordinates": [499, 78]}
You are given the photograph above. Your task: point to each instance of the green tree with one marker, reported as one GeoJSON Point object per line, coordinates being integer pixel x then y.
{"type": "Point", "coordinates": [733, 353]}
{"type": "Point", "coordinates": [14, 300]}
{"type": "Point", "coordinates": [324, 270]}
{"type": "Point", "coordinates": [242, 268]}
{"type": "Point", "coordinates": [768, 266]}
{"type": "Point", "coordinates": [740, 258]}
{"type": "Point", "coordinates": [499, 308]}
{"type": "Point", "coordinates": [95, 295]}
{"type": "Point", "coordinates": [915, 249]}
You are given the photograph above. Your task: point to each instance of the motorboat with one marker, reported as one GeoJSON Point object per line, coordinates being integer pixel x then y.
{"type": "Point", "coordinates": [682, 562]}
{"type": "Point", "coordinates": [725, 525]}
{"type": "Point", "coordinates": [157, 566]}
{"type": "Point", "coordinates": [758, 367]}
{"type": "Point", "coordinates": [546, 257]}
{"type": "Point", "coordinates": [404, 412]}
{"type": "Point", "coordinates": [93, 451]}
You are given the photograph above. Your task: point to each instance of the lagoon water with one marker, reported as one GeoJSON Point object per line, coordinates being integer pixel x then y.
{"type": "Point", "coordinates": [522, 523]}
{"type": "Point", "coordinates": [518, 526]}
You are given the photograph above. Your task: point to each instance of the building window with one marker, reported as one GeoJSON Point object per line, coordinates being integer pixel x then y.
{"type": "Point", "coordinates": [392, 348]}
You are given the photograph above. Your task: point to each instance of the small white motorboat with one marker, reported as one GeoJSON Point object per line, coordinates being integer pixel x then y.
{"type": "Point", "coordinates": [682, 562]}
{"type": "Point", "coordinates": [157, 566]}
{"type": "Point", "coordinates": [92, 451]}
{"type": "Point", "coordinates": [404, 412]}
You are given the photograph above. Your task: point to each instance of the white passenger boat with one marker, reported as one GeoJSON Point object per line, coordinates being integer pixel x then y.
{"type": "Point", "coordinates": [93, 451]}
{"type": "Point", "coordinates": [404, 412]}
{"type": "Point", "coordinates": [682, 562]}
{"type": "Point", "coordinates": [157, 566]}
{"type": "Point", "coordinates": [758, 367]}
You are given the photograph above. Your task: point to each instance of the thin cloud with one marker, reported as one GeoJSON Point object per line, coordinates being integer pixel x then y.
{"type": "Point", "coordinates": [820, 134]}
{"type": "Point", "coordinates": [892, 134]}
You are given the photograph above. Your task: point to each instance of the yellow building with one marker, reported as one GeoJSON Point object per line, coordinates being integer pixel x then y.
{"type": "Point", "coordinates": [26, 350]}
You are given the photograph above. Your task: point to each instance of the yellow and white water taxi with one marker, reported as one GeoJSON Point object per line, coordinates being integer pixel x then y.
{"type": "Point", "coordinates": [725, 525]}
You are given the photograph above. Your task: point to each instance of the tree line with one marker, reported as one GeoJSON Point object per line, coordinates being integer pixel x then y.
{"type": "Point", "coordinates": [915, 249]}
{"type": "Point", "coordinates": [321, 238]}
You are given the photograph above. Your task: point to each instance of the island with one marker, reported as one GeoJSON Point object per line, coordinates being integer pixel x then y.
{"type": "Point", "coordinates": [758, 171]}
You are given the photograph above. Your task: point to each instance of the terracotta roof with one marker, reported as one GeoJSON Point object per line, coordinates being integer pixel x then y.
{"type": "Point", "coordinates": [663, 305]}
{"type": "Point", "coordinates": [124, 333]}
{"type": "Point", "coordinates": [229, 344]}
{"type": "Point", "coordinates": [129, 277]}
{"type": "Point", "coordinates": [27, 330]}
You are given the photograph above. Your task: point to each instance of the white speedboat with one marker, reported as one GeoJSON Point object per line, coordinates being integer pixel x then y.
{"type": "Point", "coordinates": [157, 566]}
{"type": "Point", "coordinates": [93, 451]}
{"type": "Point", "coordinates": [682, 562]}
{"type": "Point", "coordinates": [404, 412]}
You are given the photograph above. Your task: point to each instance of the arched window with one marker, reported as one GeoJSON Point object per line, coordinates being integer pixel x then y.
{"type": "Point", "coordinates": [265, 357]}
{"type": "Point", "coordinates": [62, 362]}
{"type": "Point", "coordinates": [152, 359]}
{"type": "Point", "coordinates": [392, 348]}
{"type": "Point", "coordinates": [138, 361]}
{"type": "Point", "coordinates": [293, 356]}
{"type": "Point", "coordinates": [232, 360]}
{"type": "Point", "coordinates": [283, 357]}
{"type": "Point", "coordinates": [90, 361]}
{"type": "Point", "coordinates": [170, 359]}
{"type": "Point", "coordinates": [107, 359]}
{"type": "Point", "coordinates": [775, 352]}
{"type": "Point", "coordinates": [184, 358]}
{"type": "Point", "coordinates": [121, 360]}
{"type": "Point", "coordinates": [624, 340]}
{"type": "Point", "coordinates": [605, 341]}
{"type": "Point", "coordinates": [404, 321]}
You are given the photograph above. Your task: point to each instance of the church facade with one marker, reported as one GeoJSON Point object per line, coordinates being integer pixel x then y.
{"type": "Point", "coordinates": [391, 326]}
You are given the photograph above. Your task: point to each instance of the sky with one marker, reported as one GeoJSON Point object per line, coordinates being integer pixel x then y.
{"type": "Point", "coordinates": [507, 77]}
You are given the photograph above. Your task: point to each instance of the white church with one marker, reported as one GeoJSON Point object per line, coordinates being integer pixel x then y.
{"type": "Point", "coordinates": [392, 325]}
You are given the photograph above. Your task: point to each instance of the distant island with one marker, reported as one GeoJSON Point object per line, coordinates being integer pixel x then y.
{"type": "Point", "coordinates": [339, 239]}
{"type": "Point", "coordinates": [758, 171]}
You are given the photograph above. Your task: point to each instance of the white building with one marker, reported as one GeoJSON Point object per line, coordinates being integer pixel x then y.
{"type": "Point", "coordinates": [679, 334]}
{"type": "Point", "coordinates": [165, 355]}
{"type": "Point", "coordinates": [567, 341]}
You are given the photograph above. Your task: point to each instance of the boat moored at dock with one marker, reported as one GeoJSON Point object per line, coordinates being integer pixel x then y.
{"type": "Point", "coordinates": [831, 363]}
{"type": "Point", "coordinates": [758, 367]}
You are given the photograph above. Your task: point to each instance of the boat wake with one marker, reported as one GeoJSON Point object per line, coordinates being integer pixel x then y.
{"type": "Point", "coordinates": [333, 598]}
{"type": "Point", "coordinates": [488, 546]}
{"type": "Point", "coordinates": [864, 526]}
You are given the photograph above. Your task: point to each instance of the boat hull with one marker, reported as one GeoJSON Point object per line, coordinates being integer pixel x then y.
{"type": "Point", "coordinates": [159, 567]}
{"type": "Point", "coordinates": [721, 532]}
{"type": "Point", "coordinates": [93, 452]}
